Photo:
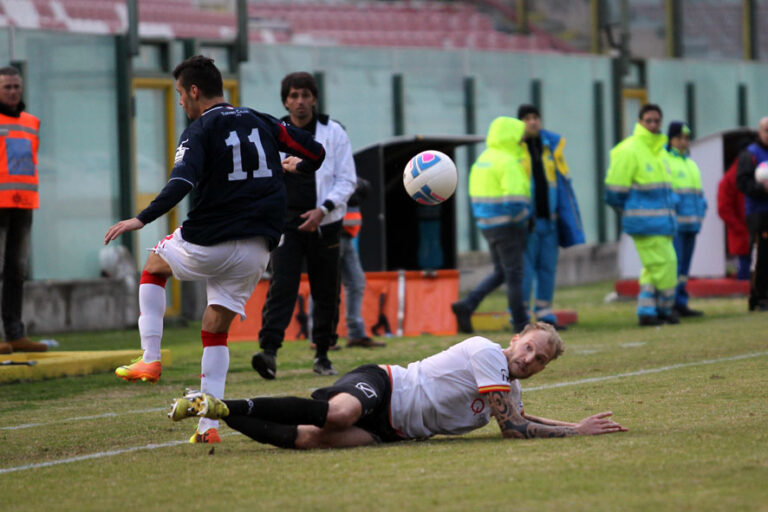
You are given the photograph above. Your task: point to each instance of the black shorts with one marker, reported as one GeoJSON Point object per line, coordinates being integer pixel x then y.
{"type": "Point", "coordinates": [369, 384]}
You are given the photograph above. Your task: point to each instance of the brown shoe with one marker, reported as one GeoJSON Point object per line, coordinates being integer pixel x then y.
{"type": "Point", "coordinates": [5, 347]}
{"type": "Point", "coordinates": [365, 343]}
{"type": "Point", "coordinates": [26, 345]}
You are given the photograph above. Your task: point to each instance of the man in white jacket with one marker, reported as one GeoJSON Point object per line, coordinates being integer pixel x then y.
{"type": "Point", "coordinates": [313, 223]}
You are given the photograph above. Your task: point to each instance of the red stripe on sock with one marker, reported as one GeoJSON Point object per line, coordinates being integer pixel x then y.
{"type": "Point", "coordinates": [147, 278]}
{"type": "Point", "coordinates": [211, 339]}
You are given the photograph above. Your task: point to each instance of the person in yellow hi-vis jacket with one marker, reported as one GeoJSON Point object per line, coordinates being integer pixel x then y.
{"type": "Point", "coordinates": [691, 207]}
{"type": "Point", "coordinates": [500, 192]}
{"type": "Point", "coordinates": [639, 187]}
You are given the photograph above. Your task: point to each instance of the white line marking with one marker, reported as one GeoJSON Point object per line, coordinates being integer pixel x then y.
{"type": "Point", "coordinates": [644, 372]}
{"type": "Point", "coordinates": [83, 418]}
{"type": "Point", "coordinates": [98, 455]}
{"type": "Point", "coordinates": [536, 388]}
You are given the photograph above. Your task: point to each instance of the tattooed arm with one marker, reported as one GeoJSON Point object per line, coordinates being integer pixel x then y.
{"type": "Point", "coordinates": [548, 421]}
{"type": "Point", "coordinates": [514, 425]}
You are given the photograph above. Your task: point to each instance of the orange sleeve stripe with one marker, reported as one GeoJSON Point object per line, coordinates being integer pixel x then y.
{"type": "Point", "coordinates": [496, 387]}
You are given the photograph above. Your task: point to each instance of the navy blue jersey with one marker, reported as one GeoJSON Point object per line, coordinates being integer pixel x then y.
{"type": "Point", "coordinates": [230, 156]}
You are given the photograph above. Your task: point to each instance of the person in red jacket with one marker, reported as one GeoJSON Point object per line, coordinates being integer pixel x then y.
{"type": "Point", "coordinates": [730, 208]}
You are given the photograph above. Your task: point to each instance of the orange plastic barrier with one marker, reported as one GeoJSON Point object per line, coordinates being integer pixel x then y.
{"type": "Point", "coordinates": [426, 307]}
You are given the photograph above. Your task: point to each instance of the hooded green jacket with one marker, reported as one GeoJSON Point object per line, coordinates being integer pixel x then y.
{"type": "Point", "coordinates": [499, 188]}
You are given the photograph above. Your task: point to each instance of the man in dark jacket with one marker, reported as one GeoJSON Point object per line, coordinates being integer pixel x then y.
{"type": "Point", "coordinates": [756, 209]}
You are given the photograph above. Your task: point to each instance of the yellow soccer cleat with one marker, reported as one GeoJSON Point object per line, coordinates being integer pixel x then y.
{"type": "Point", "coordinates": [208, 437]}
{"type": "Point", "coordinates": [195, 403]}
{"type": "Point", "coordinates": [139, 370]}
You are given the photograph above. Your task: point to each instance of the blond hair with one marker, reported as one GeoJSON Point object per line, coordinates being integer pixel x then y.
{"type": "Point", "coordinates": [554, 341]}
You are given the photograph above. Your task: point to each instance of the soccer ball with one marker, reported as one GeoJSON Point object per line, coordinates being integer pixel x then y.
{"type": "Point", "coordinates": [430, 177]}
{"type": "Point", "coordinates": [761, 173]}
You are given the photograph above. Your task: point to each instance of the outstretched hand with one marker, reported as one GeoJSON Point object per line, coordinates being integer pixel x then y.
{"type": "Point", "coordinates": [599, 424]}
{"type": "Point", "coordinates": [121, 227]}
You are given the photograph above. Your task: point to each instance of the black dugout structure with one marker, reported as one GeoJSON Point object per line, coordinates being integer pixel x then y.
{"type": "Point", "coordinates": [399, 233]}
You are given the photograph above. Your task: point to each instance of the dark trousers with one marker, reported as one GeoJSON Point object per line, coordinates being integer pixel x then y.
{"type": "Point", "coordinates": [507, 247]}
{"type": "Point", "coordinates": [15, 234]}
{"type": "Point", "coordinates": [757, 223]}
{"type": "Point", "coordinates": [685, 243]}
{"type": "Point", "coordinates": [320, 250]}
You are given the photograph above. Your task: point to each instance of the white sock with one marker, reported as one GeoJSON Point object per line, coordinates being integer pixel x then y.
{"type": "Point", "coordinates": [214, 365]}
{"type": "Point", "coordinates": [152, 311]}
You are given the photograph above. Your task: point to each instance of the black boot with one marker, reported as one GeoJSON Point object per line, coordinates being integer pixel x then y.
{"type": "Point", "coordinates": [649, 321]}
{"type": "Point", "coordinates": [685, 311]}
{"type": "Point", "coordinates": [463, 317]}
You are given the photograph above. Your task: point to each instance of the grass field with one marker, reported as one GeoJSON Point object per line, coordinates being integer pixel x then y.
{"type": "Point", "coordinates": [694, 396]}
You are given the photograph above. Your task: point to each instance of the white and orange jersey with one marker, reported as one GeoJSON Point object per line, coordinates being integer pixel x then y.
{"type": "Point", "coordinates": [444, 393]}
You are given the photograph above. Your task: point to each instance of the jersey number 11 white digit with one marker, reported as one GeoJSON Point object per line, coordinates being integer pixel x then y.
{"type": "Point", "coordinates": [261, 171]}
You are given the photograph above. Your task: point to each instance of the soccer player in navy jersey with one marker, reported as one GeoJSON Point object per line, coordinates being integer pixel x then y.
{"type": "Point", "coordinates": [230, 157]}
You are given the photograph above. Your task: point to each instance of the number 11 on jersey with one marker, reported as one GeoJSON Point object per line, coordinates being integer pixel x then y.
{"type": "Point", "coordinates": [261, 170]}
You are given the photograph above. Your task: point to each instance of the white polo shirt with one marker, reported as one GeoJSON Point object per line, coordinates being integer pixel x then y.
{"type": "Point", "coordinates": [444, 393]}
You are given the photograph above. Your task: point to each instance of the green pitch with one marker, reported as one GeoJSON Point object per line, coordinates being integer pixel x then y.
{"type": "Point", "coordinates": [693, 396]}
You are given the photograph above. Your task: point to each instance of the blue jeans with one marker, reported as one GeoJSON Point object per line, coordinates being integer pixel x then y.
{"type": "Point", "coordinates": [506, 245]}
{"type": "Point", "coordinates": [15, 234]}
{"type": "Point", "coordinates": [353, 279]}
{"type": "Point", "coordinates": [685, 242]}
{"type": "Point", "coordinates": [541, 265]}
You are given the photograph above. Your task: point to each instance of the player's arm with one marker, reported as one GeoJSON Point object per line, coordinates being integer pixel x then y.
{"type": "Point", "coordinates": [301, 144]}
{"type": "Point", "coordinates": [173, 192]}
{"type": "Point", "coordinates": [187, 164]}
{"type": "Point", "coordinates": [547, 421]}
{"type": "Point", "coordinates": [514, 425]}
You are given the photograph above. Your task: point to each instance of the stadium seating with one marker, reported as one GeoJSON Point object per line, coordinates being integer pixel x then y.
{"type": "Point", "coordinates": [363, 23]}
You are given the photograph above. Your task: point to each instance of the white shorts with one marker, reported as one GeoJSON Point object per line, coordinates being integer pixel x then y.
{"type": "Point", "coordinates": [230, 270]}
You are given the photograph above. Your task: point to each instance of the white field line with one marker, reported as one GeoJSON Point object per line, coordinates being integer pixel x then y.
{"type": "Point", "coordinates": [645, 372]}
{"type": "Point", "coordinates": [153, 446]}
{"type": "Point", "coordinates": [82, 418]}
{"type": "Point", "coordinates": [97, 416]}
{"type": "Point", "coordinates": [98, 455]}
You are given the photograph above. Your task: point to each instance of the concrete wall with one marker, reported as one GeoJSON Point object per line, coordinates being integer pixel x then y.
{"type": "Point", "coordinates": [79, 305]}
{"type": "Point", "coordinates": [581, 264]}
{"type": "Point", "coordinates": [103, 304]}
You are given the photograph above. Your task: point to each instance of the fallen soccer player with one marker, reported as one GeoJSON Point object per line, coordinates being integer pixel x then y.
{"type": "Point", "coordinates": [450, 393]}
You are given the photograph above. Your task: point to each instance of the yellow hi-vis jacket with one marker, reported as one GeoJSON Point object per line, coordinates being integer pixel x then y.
{"type": "Point", "coordinates": [640, 186]}
{"type": "Point", "coordinates": [499, 189]}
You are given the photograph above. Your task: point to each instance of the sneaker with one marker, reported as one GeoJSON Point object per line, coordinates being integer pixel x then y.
{"type": "Point", "coordinates": [365, 343]}
{"type": "Point", "coordinates": [323, 366]}
{"type": "Point", "coordinates": [265, 364]}
{"type": "Point", "coordinates": [139, 370]}
{"type": "Point", "coordinates": [463, 317]}
{"type": "Point", "coordinates": [649, 321]}
{"type": "Point", "coordinates": [685, 311]}
{"type": "Point", "coordinates": [5, 347]}
{"type": "Point", "coordinates": [208, 437]}
{"type": "Point", "coordinates": [27, 345]}
{"type": "Point", "coordinates": [195, 403]}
